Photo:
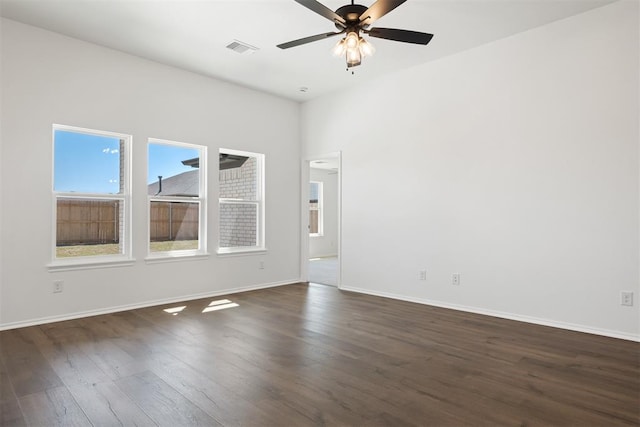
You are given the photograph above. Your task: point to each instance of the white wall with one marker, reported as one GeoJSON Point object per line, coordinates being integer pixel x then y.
{"type": "Point", "coordinates": [1, 188]}
{"type": "Point", "coordinates": [514, 164]}
{"type": "Point", "coordinates": [327, 244]}
{"type": "Point", "coordinates": [48, 78]}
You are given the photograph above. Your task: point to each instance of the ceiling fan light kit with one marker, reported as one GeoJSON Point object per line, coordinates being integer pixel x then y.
{"type": "Point", "coordinates": [354, 48]}
{"type": "Point", "coordinates": [353, 19]}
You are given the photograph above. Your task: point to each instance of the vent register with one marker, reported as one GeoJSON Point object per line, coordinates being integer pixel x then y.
{"type": "Point", "coordinates": [241, 47]}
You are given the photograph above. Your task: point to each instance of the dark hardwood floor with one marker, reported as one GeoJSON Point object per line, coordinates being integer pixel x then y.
{"type": "Point", "coordinates": [312, 355]}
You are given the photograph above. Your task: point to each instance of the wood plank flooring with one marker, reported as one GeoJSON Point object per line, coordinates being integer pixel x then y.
{"type": "Point", "coordinates": [302, 355]}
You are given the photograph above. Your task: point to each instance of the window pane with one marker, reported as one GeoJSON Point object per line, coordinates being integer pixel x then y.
{"type": "Point", "coordinates": [86, 227]}
{"type": "Point", "coordinates": [313, 218]}
{"type": "Point", "coordinates": [173, 171]}
{"type": "Point", "coordinates": [85, 163]}
{"type": "Point", "coordinates": [241, 205]}
{"type": "Point", "coordinates": [313, 192]}
{"type": "Point", "coordinates": [238, 178]}
{"type": "Point", "coordinates": [238, 224]}
{"type": "Point", "coordinates": [174, 226]}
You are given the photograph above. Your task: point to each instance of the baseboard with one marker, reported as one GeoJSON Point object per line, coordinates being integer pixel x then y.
{"type": "Point", "coordinates": [89, 313]}
{"type": "Point", "coordinates": [475, 310]}
{"type": "Point", "coordinates": [502, 315]}
{"type": "Point", "coordinates": [323, 256]}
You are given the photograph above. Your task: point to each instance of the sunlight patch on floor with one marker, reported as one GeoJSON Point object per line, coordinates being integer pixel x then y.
{"type": "Point", "coordinates": [174, 310]}
{"type": "Point", "coordinates": [219, 305]}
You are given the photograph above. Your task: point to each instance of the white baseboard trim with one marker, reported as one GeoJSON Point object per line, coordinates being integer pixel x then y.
{"type": "Point", "coordinates": [90, 313]}
{"type": "Point", "coordinates": [502, 315]}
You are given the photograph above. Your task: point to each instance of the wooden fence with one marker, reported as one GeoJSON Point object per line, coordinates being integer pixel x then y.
{"type": "Point", "coordinates": [313, 222]}
{"type": "Point", "coordinates": [91, 222]}
{"type": "Point", "coordinates": [87, 222]}
{"type": "Point", "coordinates": [173, 221]}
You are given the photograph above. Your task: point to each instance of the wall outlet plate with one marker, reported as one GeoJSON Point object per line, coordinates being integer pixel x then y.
{"type": "Point", "coordinates": [455, 279]}
{"type": "Point", "coordinates": [58, 286]}
{"type": "Point", "coordinates": [626, 298]}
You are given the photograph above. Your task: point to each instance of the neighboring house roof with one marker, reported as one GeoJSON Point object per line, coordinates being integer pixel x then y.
{"type": "Point", "coordinates": [227, 161]}
{"type": "Point", "coordinates": [184, 184]}
{"type": "Point", "coordinates": [194, 163]}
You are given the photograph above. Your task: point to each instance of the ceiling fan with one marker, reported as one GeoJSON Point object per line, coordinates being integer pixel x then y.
{"type": "Point", "coordinates": [354, 19]}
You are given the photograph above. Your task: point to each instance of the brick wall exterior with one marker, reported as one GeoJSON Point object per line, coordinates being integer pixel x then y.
{"type": "Point", "coordinates": [238, 221]}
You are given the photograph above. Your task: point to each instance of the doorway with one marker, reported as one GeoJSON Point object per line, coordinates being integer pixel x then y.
{"type": "Point", "coordinates": [322, 211]}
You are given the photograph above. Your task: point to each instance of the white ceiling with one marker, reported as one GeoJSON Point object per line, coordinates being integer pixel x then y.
{"type": "Point", "coordinates": [193, 34]}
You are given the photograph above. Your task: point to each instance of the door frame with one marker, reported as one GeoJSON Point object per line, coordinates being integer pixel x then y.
{"type": "Point", "coordinates": [304, 215]}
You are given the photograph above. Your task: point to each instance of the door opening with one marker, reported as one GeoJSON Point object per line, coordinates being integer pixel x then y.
{"type": "Point", "coordinates": [323, 216]}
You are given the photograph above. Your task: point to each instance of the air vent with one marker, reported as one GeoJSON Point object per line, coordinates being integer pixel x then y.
{"type": "Point", "coordinates": [240, 47]}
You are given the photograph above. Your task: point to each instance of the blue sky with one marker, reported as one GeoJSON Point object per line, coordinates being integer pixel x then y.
{"type": "Point", "coordinates": [91, 163]}
{"type": "Point", "coordinates": [86, 163]}
{"type": "Point", "coordinates": [166, 160]}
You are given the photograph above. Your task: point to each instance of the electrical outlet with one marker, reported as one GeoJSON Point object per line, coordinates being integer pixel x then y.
{"type": "Point", "coordinates": [58, 286]}
{"type": "Point", "coordinates": [422, 275]}
{"type": "Point", "coordinates": [626, 298]}
{"type": "Point", "coordinates": [261, 265]}
{"type": "Point", "coordinates": [455, 279]}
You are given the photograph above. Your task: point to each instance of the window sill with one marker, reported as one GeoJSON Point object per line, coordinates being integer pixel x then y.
{"type": "Point", "coordinates": [83, 264]}
{"type": "Point", "coordinates": [163, 257]}
{"type": "Point", "coordinates": [316, 235]}
{"type": "Point", "coordinates": [240, 251]}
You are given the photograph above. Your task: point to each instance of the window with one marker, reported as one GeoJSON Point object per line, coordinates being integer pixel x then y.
{"type": "Point", "coordinates": [241, 201]}
{"type": "Point", "coordinates": [315, 208]}
{"type": "Point", "coordinates": [176, 178]}
{"type": "Point", "coordinates": [91, 194]}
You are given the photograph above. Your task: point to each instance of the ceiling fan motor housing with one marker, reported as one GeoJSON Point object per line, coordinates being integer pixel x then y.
{"type": "Point", "coordinates": [351, 20]}
{"type": "Point", "coordinates": [351, 14]}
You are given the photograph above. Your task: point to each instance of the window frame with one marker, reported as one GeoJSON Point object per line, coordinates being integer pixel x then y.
{"type": "Point", "coordinates": [259, 203]}
{"type": "Point", "coordinates": [124, 197]}
{"type": "Point", "coordinates": [320, 210]}
{"type": "Point", "coordinates": [201, 200]}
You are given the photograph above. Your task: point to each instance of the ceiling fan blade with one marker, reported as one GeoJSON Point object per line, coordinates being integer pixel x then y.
{"type": "Point", "coordinates": [406, 36]}
{"type": "Point", "coordinates": [309, 39]}
{"type": "Point", "coordinates": [378, 10]}
{"type": "Point", "coordinates": [323, 10]}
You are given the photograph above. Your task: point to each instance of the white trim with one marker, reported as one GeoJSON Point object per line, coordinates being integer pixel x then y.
{"type": "Point", "coordinates": [89, 263]}
{"type": "Point", "coordinates": [240, 250]}
{"type": "Point", "coordinates": [161, 141]}
{"type": "Point", "coordinates": [321, 256]}
{"type": "Point", "coordinates": [125, 258]}
{"type": "Point", "coordinates": [78, 129]}
{"type": "Point", "coordinates": [176, 199]}
{"type": "Point", "coordinates": [500, 314]}
{"type": "Point", "coordinates": [260, 202]}
{"type": "Point", "coordinates": [305, 177]}
{"type": "Point", "coordinates": [173, 256]}
{"type": "Point", "coordinates": [90, 196]}
{"type": "Point", "coordinates": [89, 313]}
